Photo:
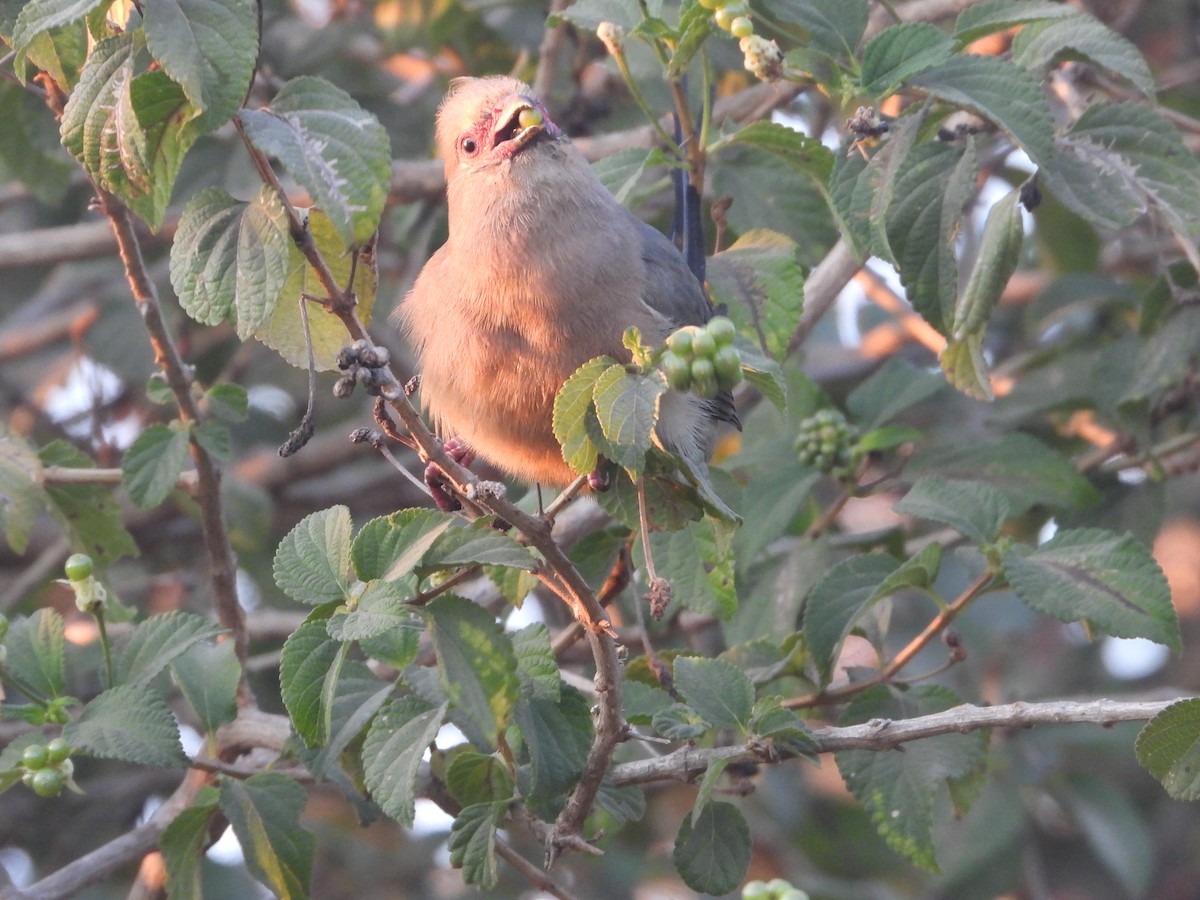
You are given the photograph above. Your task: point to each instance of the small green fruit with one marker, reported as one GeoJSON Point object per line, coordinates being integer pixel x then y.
{"type": "Point", "coordinates": [703, 345]}
{"type": "Point", "coordinates": [741, 27]}
{"type": "Point", "coordinates": [35, 756]}
{"type": "Point", "coordinates": [530, 117]}
{"type": "Point", "coordinates": [78, 566]}
{"type": "Point", "coordinates": [712, 4]}
{"type": "Point", "coordinates": [47, 782]}
{"type": "Point", "coordinates": [722, 330]}
{"type": "Point", "coordinates": [728, 364]}
{"type": "Point", "coordinates": [58, 750]}
{"type": "Point", "coordinates": [726, 14]}
{"type": "Point", "coordinates": [678, 371]}
{"type": "Point", "coordinates": [704, 378]}
{"type": "Point", "coordinates": [680, 342]}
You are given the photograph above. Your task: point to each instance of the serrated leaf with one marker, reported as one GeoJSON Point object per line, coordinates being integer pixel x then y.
{"type": "Point", "coordinates": [627, 409]}
{"type": "Point", "coordinates": [204, 256]}
{"type": "Point", "coordinates": [312, 564]}
{"type": "Point", "coordinates": [836, 602]}
{"type": "Point", "coordinates": [712, 850]}
{"type": "Point", "coordinates": [39, 16]}
{"type": "Point", "coordinates": [575, 411]}
{"type": "Point", "coordinates": [625, 804]}
{"type": "Point", "coordinates": [382, 607]}
{"type": "Point", "coordinates": [152, 464]}
{"type": "Point", "coordinates": [679, 722]}
{"type": "Point", "coordinates": [264, 262]}
{"type": "Point", "coordinates": [760, 281]}
{"type": "Point", "coordinates": [476, 663]}
{"type": "Point", "coordinates": [622, 172]}
{"type": "Point", "coordinates": [307, 658]}
{"type": "Point", "coordinates": [694, 30]}
{"type": "Point", "coordinates": [973, 509]}
{"type": "Point", "coordinates": [1000, 92]}
{"type": "Point", "coordinates": [157, 641]}
{"type": "Point", "coordinates": [536, 666]}
{"type": "Point", "coordinates": [900, 52]}
{"type": "Point", "coordinates": [999, 253]}
{"type": "Point", "coordinates": [398, 738]}
{"type": "Point", "coordinates": [588, 14]}
{"type": "Point", "coordinates": [228, 402]}
{"type": "Point", "coordinates": [680, 557]}
{"type": "Point", "coordinates": [1038, 46]}
{"type": "Point", "coordinates": [35, 653]}
{"type": "Point", "coordinates": [1169, 749]}
{"type": "Point", "coordinates": [336, 150]}
{"type": "Point", "coordinates": [931, 189]}
{"type": "Point", "coordinates": [990, 16]}
{"type": "Point", "coordinates": [899, 790]}
{"type": "Point", "coordinates": [473, 843]}
{"type": "Point", "coordinates": [558, 735]}
{"type": "Point", "coordinates": [209, 48]}
{"type": "Point", "coordinates": [798, 150]}
{"type": "Point", "coordinates": [917, 572]}
{"type": "Point", "coordinates": [762, 373]}
{"type": "Point", "coordinates": [834, 26]}
{"type": "Point", "coordinates": [215, 439]}
{"type": "Point", "coordinates": [86, 512]}
{"type": "Point", "coordinates": [475, 778]}
{"type": "Point", "coordinates": [1025, 470]}
{"type": "Point", "coordinates": [284, 330]}
{"type": "Point", "coordinates": [893, 388]}
{"type": "Point", "coordinates": [643, 701]}
{"type": "Point", "coordinates": [1110, 580]}
{"type": "Point", "coordinates": [716, 689]}
{"type": "Point", "coordinates": [208, 676]}
{"type": "Point", "coordinates": [264, 811]}
{"type": "Point", "coordinates": [182, 844]}
{"type": "Point", "coordinates": [21, 495]}
{"type": "Point", "coordinates": [1166, 356]}
{"type": "Point", "coordinates": [131, 723]}
{"type": "Point", "coordinates": [350, 698]}
{"type": "Point", "coordinates": [708, 783]}
{"type": "Point", "coordinates": [783, 727]}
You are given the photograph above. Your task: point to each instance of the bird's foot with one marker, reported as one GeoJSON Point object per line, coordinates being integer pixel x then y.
{"type": "Point", "coordinates": [435, 478]}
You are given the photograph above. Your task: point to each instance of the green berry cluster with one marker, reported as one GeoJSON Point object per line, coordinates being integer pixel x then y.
{"type": "Point", "coordinates": [731, 16]}
{"type": "Point", "coordinates": [826, 441]}
{"type": "Point", "coordinates": [775, 889]}
{"type": "Point", "coordinates": [702, 359]}
{"type": "Point", "coordinates": [48, 767]}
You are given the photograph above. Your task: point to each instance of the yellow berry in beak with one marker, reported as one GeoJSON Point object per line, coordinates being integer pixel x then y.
{"type": "Point", "coordinates": [529, 117]}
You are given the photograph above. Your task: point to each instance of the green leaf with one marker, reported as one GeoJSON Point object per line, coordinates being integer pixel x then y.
{"type": "Point", "coordinates": [1000, 92]}
{"type": "Point", "coordinates": [627, 409]}
{"type": "Point", "coordinates": [965, 367]}
{"type": "Point", "coordinates": [35, 653]}
{"type": "Point", "coordinates": [837, 601]}
{"type": "Point", "coordinates": [475, 778]}
{"type": "Point", "coordinates": [900, 52]}
{"type": "Point", "coordinates": [575, 423]}
{"type": "Point", "coordinates": [622, 172]}
{"type": "Point", "coordinates": [643, 701]}
{"type": "Point", "coordinates": [215, 439]}
{"type": "Point", "coordinates": [798, 150]}
{"type": "Point", "coordinates": [86, 512]}
{"type": "Point", "coordinates": [208, 676]}
{"type": "Point", "coordinates": [708, 783]}
{"type": "Point", "coordinates": [39, 16]}
{"type": "Point", "coordinates": [283, 330]}
{"type": "Point", "coordinates": [917, 572]}
{"type": "Point", "coordinates": [999, 253]}
{"type": "Point", "coordinates": [209, 48]}
{"type": "Point", "coordinates": [762, 373]}
{"type": "Point", "coordinates": [760, 280]}
{"type": "Point", "coordinates": [990, 16]}
{"type": "Point", "coordinates": [30, 150]}
{"type": "Point", "coordinates": [473, 842]}
{"type": "Point", "coordinates": [626, 804]}
{"type": "Point", "coordinates": [336, 150]}
{"type": "Point", "coordinates": [307, 657]}
{"type": "Point", "coordinates": [152, 464]}
{"type": "Point", "coordinates": [228, 402]}
{"type": "Point", "coordinates": [783, 728]}
{"type": "Point", "coordinates": [588, 14]}
{"type": "Point", "coordinates": [382, 607]}
{"type": "Point", "coordinates": [131, 723]}
{"type": "Point", "coordinates": [834, 26]}
{"type": "Point", "coordinates": [681, 556]}
{"type": "Point", "coordinates": [476, 662]}
{"type": "Point", "coordinates": [893, 388]}
{"type": "Point", "coordinates": [679, 722]}
{"type": "Point", "coordinates": [1169, 749]}
{"type": "Point", "coordinates": [204, 256]}
{"type": "Point", "coordinates": [712, 852]}
{"type": "Point", "coordinates": [395, 743]}
{"type": "Point", "coordinates": [183, 843]}
{"type": "Point", "coordinates": [264, 263]}
{"type": "Point", "coordinates": [20, 489]}
{"type": "Point", "coordinates": [157, 641]}
{"type": "Point", "coordinates": [716, 689]}
{"type": "Point", "coordinates": [536, 665]}
{"type": "Point", "coordinates": [1025, 470]}
{"type": "Point", "coordinates": [558, 735]}
{"type": "Point", "coordinates": [312, 564]}
{"type": "Point", "coordinates": [1038, 46]}
{"type": "Point", "coordinates": [974, 509]}
{"type": "Point", "coordinates": [931, 189]}
{"type": "Point", "coordinates": [1165, 357]}
{"type": "Point", "coordinates": [899, 790]}
{"type": "Point", "coordinates": [1110, 580]}
{"type": "Point", "coordinates": [351, 696]}
{"type": "Point", "coordinates": [264, 811]}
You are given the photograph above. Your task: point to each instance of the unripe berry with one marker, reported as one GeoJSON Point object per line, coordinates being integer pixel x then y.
{"type": "Point", "coordinates": [741, 27]}
{"type": "Point", "coordinates": [78, 566]}
{"type": "Point", "coordinates": [678, 371]}
{"type": "Point", "coordinates": [726, 14]}
{"type": "Point", "coordinates": [728, 365]}
{"type": "Point", "coordinates": [35, 756]}
{"type": "Point", "coordinates": [529, 117]}
{"type": "Point", "coordinates": [681, 341]}
{"type": "Point", "coordinates": [703, 345]}
{"type": "Point", "coordinates": [58, 750]}
{"type": "Point", "coordinates": [704, 378]}
{"type": "Point", "coordinates": [712, 4]}
{"type": "Point", "coordinates": [47, 782]}
{"type": "Point", "coordinates": [722, 330]}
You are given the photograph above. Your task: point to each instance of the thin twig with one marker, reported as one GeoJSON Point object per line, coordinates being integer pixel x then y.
{"type": "Point", "coordinates": [535, 876]}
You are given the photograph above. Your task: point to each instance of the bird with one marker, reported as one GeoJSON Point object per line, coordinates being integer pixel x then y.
{"type": "Point", "coordinates": [542, 270]}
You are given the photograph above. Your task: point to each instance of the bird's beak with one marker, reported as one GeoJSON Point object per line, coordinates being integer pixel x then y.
{"type": "Point", "coordinates": [519, 121]}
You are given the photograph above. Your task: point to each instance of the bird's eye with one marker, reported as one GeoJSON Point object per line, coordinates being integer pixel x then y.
{"type": "Point", "coordinates": [469, 146]}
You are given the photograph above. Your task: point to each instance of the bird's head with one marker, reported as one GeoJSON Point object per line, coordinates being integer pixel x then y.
{"type": "Point", "coordinates": [483, 122]}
